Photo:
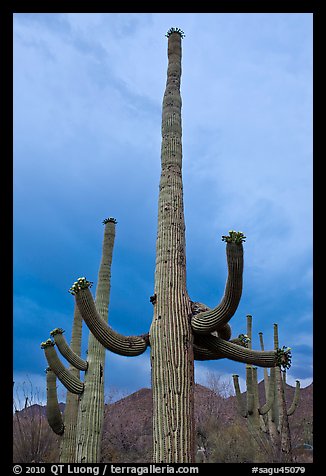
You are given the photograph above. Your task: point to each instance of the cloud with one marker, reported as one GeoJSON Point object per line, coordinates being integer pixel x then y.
{"type": "Point", "coordinates": [87, 108]}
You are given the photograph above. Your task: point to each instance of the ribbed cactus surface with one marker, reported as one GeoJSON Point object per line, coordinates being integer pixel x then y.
{"type": "Point", "coordinates": [171, 338]}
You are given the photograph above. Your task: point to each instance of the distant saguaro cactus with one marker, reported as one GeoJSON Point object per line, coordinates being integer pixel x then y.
{"type": "Point", "coordinates": [280, 411]}
{"type": "Point", "coordinates": [181, 330]}
{"type": "Point", "coordinates": [252, 410]}
{"type": "Point", "coordinates": [272, 417]}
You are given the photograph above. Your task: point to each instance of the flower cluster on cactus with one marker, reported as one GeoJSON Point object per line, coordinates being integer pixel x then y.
{"type": "Point", "coordinates": [47, 343]}
{"type": "Point", "coordinates": [244, 339]}
{"type": "Point", "coordinates": [284, 357]}
{"type": "Point", "coordinates": [234, 237]}
{"type": "Point", "coordinates": [109, 220]}
{"type": "Point", "coordinates": [175, 30]}
{"type": "Point", "coordinates": [57, 330]}
{"type": "Point", "coordinates": [81, 283]}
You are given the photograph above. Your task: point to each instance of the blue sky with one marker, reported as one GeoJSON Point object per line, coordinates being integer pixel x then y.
{"type": "Point", "coordinates": [88, 91]}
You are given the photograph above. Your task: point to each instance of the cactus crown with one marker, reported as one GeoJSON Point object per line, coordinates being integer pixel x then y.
{"type": "Point", "coordinates": [234, 237]}
{"type": "Point", "coordinates": [244, 339]}
{"type": "Point", "coordinates": [284, 357]}
{"type": "Point", "coordinates": [57, 330]}
{"type": "Point", "coordinates": [109, 220]}
{"type": "Point", "coordinates": [81, 283]}
{"type": "Point", "coordinates": [175, 30]}
{"type": "Point", "coordinates": [47, 343]}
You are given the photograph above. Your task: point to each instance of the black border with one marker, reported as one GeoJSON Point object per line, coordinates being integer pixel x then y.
{"type": "Point", "coordinates": [6, 81]}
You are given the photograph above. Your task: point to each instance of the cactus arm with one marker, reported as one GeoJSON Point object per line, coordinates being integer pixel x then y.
{"type": "Point", "coordinates": [111, 340]}
{"type": "Point", "coordinates": [241, 405]}
{"type": "Point", "coordinates": [203, 353]}
{"type": "Point", "coordinates": [296, 398]}
{"type": "Point", "coordinates": [224, 332]}
{"type": "Point", "coordinates": [236, 352]}
{"type": "Point", "coordinates": [209, 321]}
{"type": "Point", "coordinates": [72, 383]}
{"type": "Point", "coordinates": [266, 378]}
{"type": "Point", "coordinates": [53, 413]}
{"type": "Point", "coordinates": [270, 395]}
{"type": "Point", "coordinates": [74, 359]}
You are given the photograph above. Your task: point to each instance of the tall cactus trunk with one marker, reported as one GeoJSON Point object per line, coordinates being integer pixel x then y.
{"type": "Point", "coordinates": [270, 420]}
{"type": "Point", "coordinates": [91, 413]}
{"type": "Point", "coordinates": [68, 441]}
{"type": "Point", "coordinates": [171, 341]}
{"type": "Point", "coordinates": [284, 427]}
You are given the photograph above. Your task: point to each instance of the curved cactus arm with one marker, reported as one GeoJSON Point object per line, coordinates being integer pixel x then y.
{"type": "Point", "coordinates": [236, 352]}
{"type": "Point", "coordinates": [224, 332]}
{"type": "Point", "coordinates": [53, 413]}
{"type": "Point", "coordinates": [111, 340]}
{"type": "Point", "coordinates": [241, 404]}
{"type": "Point", "coordinates": [296, 398]}
{"type": "Point", "coordinates": [214, 319]}
{"type": "Point", "coordinates": [203, 353]}
{"type": "Point", "coordinates": [270, 395]}
{"type": "Point", "coordinates": [65, 350]}
{"type": "Point", "coordinates": [72, 383]}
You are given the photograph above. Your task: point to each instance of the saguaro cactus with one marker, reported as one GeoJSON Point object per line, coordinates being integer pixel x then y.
{"type": "Point", "coordinates": [274, 414]}
{"type": "Point", "coordinates": [84, 426]}
{"type": "Point", "coordinates": [181, 330]}
{"type": "Point", "coordinates": [252, 410]}
{"type": "Point", "coordinates": [281, 413]}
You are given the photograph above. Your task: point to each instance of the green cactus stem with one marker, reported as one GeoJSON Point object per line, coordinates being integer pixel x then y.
{"type": "Point", "coordinates": [242, 407]}
{"type": "Point", "coordinates": [296, 398]}
{"type": "Point", "coordinates": [224, 332]}
{"type": "Point", "coordinates": [282, 417]}
{"type": "Point", "coordinates": [270, 415]}
{"type": "Point", "coordinates": [251, 408]}
{"type": "Point", "coordinates": [236, 352]}
{"type": "Point", "coordinates": [217, 317]}
{"type": "Point", "coordinates": [171, 339]}
{"type": "Point", "coordinates": [111, 340]}
{"type": "Point", "coordinates": [203, 353]}
{"type": "Point", "coordinates": [91, 414]}
{"type": "Point", "coordinates": [72, 383]}
{"type": "Point", "coordinates": [68, 440]}
{"type": "Point", "coordinates": [270, 395]}
{"type": "Point", "coordinates": [74, 359]}
{"type": "Point", "coordinates": [53, 413]}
